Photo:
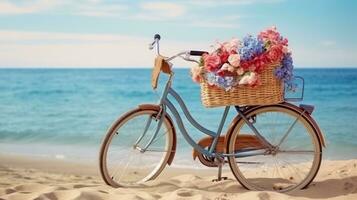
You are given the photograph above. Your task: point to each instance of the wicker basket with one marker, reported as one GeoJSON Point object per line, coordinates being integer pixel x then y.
{"type": "Point", "coordinates": [271, 91]}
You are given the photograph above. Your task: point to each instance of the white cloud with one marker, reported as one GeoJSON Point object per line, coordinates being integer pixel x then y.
{"type": "Point", "coordinates": [8, 36]}
{"type": "Point", "coordinates": [95, 8]}
{"type": "Point", "coordinates": [43, 49]}
{"type": "Point", "coordinates": [101, 10]}
{"type": "Point", "coordinates": [213, 24]}
{"type": "Point", "coordinates": [148, 11]}
{"type": "Point", "coordinates": [212, 3]}
{"type": "Point", "coordinates": [10, 8]}
{"type": "Point", "coordinates": [163, 9]}
{"type": "Point", "coordinates": [224, 22]}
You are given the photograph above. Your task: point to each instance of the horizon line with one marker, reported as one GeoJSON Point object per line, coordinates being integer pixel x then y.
{"type": "Point", "coordinates": [146, 67]}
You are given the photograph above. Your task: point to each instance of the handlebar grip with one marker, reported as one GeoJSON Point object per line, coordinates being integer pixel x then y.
{"type": "Point", "coordinates": [197, 53]}
{"type": "Point", "coordinates": [157, 36]}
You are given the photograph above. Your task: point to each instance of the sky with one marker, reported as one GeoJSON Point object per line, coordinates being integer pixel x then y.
{"type": "Point", "coordinates": [116, 33]}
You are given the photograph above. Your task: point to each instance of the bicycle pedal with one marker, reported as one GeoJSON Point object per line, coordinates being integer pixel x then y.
{"type": "Point", "coordinates": [221, 179]}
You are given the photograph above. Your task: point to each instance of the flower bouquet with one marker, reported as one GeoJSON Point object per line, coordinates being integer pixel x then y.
{"type": "Point", "coordinates": [247, 72]}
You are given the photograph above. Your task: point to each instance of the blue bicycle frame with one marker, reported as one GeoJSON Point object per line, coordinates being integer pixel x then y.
{"type": "Point", "coordinates": [166, 103]}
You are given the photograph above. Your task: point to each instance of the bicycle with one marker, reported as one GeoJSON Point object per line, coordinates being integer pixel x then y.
{"type": "Point", "coordinates": [269, 147]}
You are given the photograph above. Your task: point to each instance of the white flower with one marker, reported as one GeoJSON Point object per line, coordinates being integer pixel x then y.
{"type": "Point", "coordinates": [232, 45]}
{"type": "Point", "coordinates": [225, 66]}
{"type": "Point", "coordinates": [230, 68]}
{"type": "Point", "coordinates": [248, 79]}
{"type": "Point", "coordinates": [234, 60]}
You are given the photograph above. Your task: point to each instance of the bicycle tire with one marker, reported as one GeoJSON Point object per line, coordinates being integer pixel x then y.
{"type": "Point", "coordinates": [245, 175]}
{"type": "Point", "coordinates": [116, 130]}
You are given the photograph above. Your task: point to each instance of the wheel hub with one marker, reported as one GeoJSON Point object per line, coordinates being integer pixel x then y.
{"type": "Point", "coordinates": [272, 151]}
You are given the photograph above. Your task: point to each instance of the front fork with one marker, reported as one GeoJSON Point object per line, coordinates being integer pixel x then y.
{"type": "Point", "coordinates": [159, 116]}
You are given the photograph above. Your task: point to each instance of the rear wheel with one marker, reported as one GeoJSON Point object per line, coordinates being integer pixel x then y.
{"type": "Point", "coordinates": [123, 162]}
{"type": "Point", "coordinates": [292, 163]}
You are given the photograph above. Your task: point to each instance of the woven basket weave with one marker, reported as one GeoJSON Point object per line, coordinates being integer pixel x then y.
{"type": "Point", "coordinates": [270, 91]}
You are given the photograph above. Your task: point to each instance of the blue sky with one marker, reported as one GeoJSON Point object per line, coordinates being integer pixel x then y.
{"type": "Point", "coordinates": [115, 33]}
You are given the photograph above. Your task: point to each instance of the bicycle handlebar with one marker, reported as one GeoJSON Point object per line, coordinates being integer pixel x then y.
{"type": "Point", "coordinates": [197, 53]}
{"type": "Point", "coordinates": [157, 38]}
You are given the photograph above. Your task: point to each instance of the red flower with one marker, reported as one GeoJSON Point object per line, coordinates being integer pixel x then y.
{"type": "Point", "coordinates": [223, 55]}
{"type": "Point", "coordinates": [275, 53]}
{"type": "Point", "coordinates": [224, 73]}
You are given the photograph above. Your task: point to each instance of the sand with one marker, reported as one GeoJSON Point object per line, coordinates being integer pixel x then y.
{"type": "Point", "coordinates": [23, 178]}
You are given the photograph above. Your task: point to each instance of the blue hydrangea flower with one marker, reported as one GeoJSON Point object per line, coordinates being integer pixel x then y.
{"type": "Point", "coordinates": [211, 78]}
{"type": "Point", "coordinates": [226, 83]}
{"type": "Point", "coordinates": [285, 71]}
{"type": "Point", "coordinates": [251, 47]}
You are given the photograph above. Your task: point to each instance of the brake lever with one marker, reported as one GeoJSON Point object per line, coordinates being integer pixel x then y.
{"type": "Point", "coordinates": [151, 45]}
{"type": "Point", "coordinates": [157, 38]}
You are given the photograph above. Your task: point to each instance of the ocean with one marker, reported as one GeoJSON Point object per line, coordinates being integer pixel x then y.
{"type": "Point", "coordinates": [64, 113]}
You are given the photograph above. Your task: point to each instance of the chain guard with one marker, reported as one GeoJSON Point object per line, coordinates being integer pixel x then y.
{"type": "Point", "coordinates": [243, 141]}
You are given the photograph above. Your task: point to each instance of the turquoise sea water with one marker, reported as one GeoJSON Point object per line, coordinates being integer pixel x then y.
{"type": "Point", "coordinates": [64, 113]}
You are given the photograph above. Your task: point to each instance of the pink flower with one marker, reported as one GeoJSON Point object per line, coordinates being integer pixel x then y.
{"type": "Point", "coordinates": [211, 62]}
{"type": "Point", "coordinates": [285, 50]}
{"type": "Point", "coordinates": [196, 74]}
{"type": "Point", "coordinates": [234, 60]}
{"type": "Point", "coordinates": [271, 34]}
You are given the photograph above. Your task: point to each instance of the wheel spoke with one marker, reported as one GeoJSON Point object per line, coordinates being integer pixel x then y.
{"type": "Point", "coordinates": [124, 169]}
{"type": "Point", "coordinates": [157, 150]}
{"type": "Point", "coordinates": [296, 151]}
{"type": "Point", "coordinates": [288, 131]}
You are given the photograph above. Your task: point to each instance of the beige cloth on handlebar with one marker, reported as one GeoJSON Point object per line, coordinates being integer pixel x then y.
{"type": "Point", "coordinates": [160, 65]}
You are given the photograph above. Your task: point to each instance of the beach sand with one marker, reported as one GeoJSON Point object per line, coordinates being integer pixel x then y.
{"type": "Point", "coordinates": [42, 179]}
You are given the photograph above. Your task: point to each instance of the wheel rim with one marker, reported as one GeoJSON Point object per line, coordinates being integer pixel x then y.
{"type": "Point", "coordinates": [124, 164]}
{"type": "Point", "coordinates": [288, 167]}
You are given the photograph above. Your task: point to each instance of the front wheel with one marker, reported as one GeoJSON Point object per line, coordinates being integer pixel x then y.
{"type": "Point", "coordinates": [124, 161]}
{"type": "Point", "coordinates": [291, 163]}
